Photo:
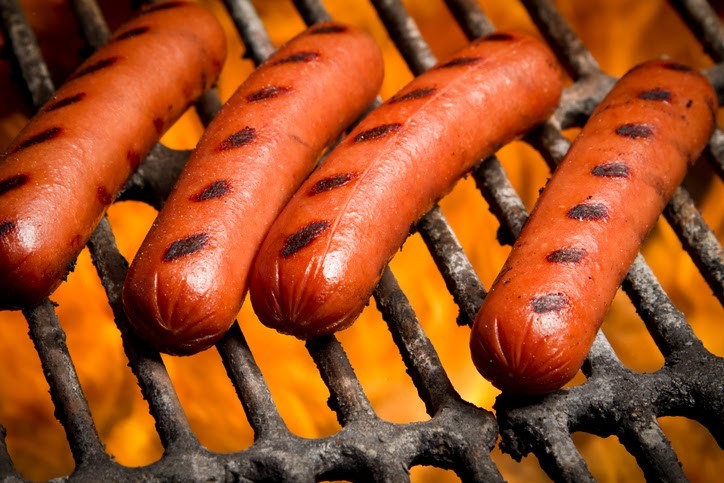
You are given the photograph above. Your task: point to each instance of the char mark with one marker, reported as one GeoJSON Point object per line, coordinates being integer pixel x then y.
{"type": "Point", "coordinates": [567, 255]}
{"type": "Point", "coordinates": [164, 6]}
{"type": "Point", "coordinates": [104, 197]}
{"type": "Point", "coordinates": [298, 57]}
{"type": "Point", "coordinates": [66, 101]}
{"type": "Point", "coordinates": [129, 34]}
{"type": "Point", "coordinates": [498, 36]}
{"type": "Point", "coordinates": [303, 237]}
{"type": "Point", "coordinates": [134, 159]}
{"type": "Point", "coordinates": [268, 92]}
{"type": "Point", "coordinates": [41, 137]}
{"type": "Point", "coordinates": [656, 95]}
{"type": "Point", "coordinates": [377, 132]}
{"type": "Point", "coordinates": [95, 67]}
{"type": "Point", "coordinates": [217, 189]}
{"type": "Point", "coordinates": [588, 211]}
{"type": "Point", "coordinates": [328, 29]}
{"type": "Point", "coordinates": [612, 170]}
{"type": "Point", "coordinates": [13, 182]}
{"type": "Point", "coordinates": [239, 139]}
{"type": "Point", "coordinates": [676, 66]}
{"type": "Point", "coordinates": [459, 61]}
{"type": "Point", "coordinates": [635, 131]}
{"type": "Point", "coordinates": [185, 246]}
{"type": "Point", "coordinates": [413, 94]}
{"type": "Point", "coordinates": [6, 227]}
{"type": "Point", "coordinates": [552, 302]}
{"type": "Point", "coordinates": [331, 182]}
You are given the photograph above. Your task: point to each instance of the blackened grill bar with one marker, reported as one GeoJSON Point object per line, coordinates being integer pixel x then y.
{"type": "Point", "coordinates": [458, 436]}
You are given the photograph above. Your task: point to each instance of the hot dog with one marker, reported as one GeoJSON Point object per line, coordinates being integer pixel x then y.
{"type": "Point", "coordinates": [66, 166]}
{"type": "Point", "coordinates": [189, 279]}
{"type": "Point", "coordinates": [538, 321]}
{"type": "Point", "coordinates": [327, 250]}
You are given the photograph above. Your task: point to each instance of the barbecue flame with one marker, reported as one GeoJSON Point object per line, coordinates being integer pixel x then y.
{"type": "Point", "coordinates": [619, 34]}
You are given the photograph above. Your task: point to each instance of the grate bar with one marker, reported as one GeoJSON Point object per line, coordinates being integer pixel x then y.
{"type": "Point", "coordinates": [251, 388]}
{"type": "Point", "coordinates": [251, 29]}
{"type": "Point", "coordinates": [145, 362]}
{"type": "Point", "coordinates": [715, 152]}
{"type": "Point", "coordinates": [704, 23]}
{"type": "Point", "coordinates": [457, 271]}
{"type": "Point", "coordinates": [92, 24]}
{"type": "Point", "coordinates": [71, 405]}
{"type": "Point", "coordinates": [26, 52]}
{"type": "Point", "coordinates": [407, 37]}
{"type": "Point", "coordinates": [571, 52]}
{"type": "Point", "coordinates": [647, 442]}
{"type": "Point", "coordinates": [470, 17]}
{"type": "Point", "coordinates": [347, 399]}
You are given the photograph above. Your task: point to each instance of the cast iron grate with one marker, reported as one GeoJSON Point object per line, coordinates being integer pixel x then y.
{"type": "Point", "coordinates": [613, 401]}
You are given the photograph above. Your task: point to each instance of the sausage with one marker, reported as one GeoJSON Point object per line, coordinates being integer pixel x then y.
{"type": "Point", "coordinates": [190, 276]}
{"type": "Point", "coordinates": [538, 322]}
{"type": "Point", "coordinates": [58, 177]}
{"type": "Point", "coordinates": [327, 250]}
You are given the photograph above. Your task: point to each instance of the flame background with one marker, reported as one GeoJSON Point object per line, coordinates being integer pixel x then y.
{"type": "Point", "coordinates": [619, 33]}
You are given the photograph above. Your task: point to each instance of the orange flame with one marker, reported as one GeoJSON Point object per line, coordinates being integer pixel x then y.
{"type": "Point", "coordinates": [619, 33]}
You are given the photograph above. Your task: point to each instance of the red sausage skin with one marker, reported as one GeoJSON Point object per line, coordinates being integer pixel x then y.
{"type": "Point", "coordinates": [189, 279]}
{"type": "Point", "coordinates": [325, 253]}
{"type": "Point", "coordinates": [539, 319]}
{"type": "Point", "coordinates": [66, 166]}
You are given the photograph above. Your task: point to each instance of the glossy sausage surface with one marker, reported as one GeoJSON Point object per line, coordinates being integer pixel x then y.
{"type": "Point", "coordinates": [64, 169]}
{"type": "Point", "coordinates": [325, 253]}
{"type": "Point", "coordinates": [189, 278]}
{"type": "Point", "coordinates": [539, 319]}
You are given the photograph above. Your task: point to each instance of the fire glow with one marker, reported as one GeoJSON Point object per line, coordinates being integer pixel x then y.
{"type": "Point", "coordinates": [618, 34]}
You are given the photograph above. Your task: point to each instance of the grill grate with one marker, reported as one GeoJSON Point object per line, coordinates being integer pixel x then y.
{"type": "Point", "coordinates": [459, 436]}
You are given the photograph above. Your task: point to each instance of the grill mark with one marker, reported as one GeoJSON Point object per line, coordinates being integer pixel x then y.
{"type": "Point", "coordinates": [104, 197]}
{"type": "Point", "coordinates": [303, 237]}
{"type": "Point", "coordinates": [612, 170]}
{"type": "Point", "coordinates": [588, 211]}
{"type": "Point", "coordinates": [268, 92]}
{"type": "Point", "coordinates": [413, 94]}
{"type": "Point", "coordinates": [158, 124]}
{"type": "Point", "coordinates": [689, 103]}
{"type": "Point", "coordinates": [6, 227]}
{"type": "Point", "coordinates": [298, 57]}
{"type": "Point", "coordinates": [635, 131]}
{"type": "Point", "coordinates": [498, 36]}
{"type": "Point", "coordinates": [458, 62]}
{"type": "Point", "coordinates": [567, 255]}
{"type": "Point", "coordinates": [377, 132]}
{"type": "Point", "coordinates": [656, 95]}
{"type": "Point", "coordinates": [217, 189]}
{"type": "Point", "coordinates": [95, 67]}
{"type": "Point", "coordinates": [133, 158]}
{"type": "Point", "coordinates": [676, 66]}
{"type": "Point", "coordinates": [66, 101]}
{"type": "Point", "coordinates": [164, 6]}
{"type": "Point", "coordinates": [41, 137]}
{"type": "Point", "coordinates": [331, 182]}
{"type": "Point", "coordinates": [132, 33]}
{"type": "Point", "coordinates": [238, 139]}
{"type": "Point", "coordinates": [328, 29]}
{"type": "Point", "coordinates": [552, 302]}
{"type": "Point", "coordinates": [185, 246]}
{"type": "Point", "coordinates": [13, 182]}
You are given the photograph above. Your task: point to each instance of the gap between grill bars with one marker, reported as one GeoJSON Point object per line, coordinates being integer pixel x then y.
{"type": "Point", "coordinates": [458, 436]}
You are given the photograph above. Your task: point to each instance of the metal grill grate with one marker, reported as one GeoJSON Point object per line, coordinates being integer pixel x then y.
{"type": "Point", "coordinates": [459, 436]}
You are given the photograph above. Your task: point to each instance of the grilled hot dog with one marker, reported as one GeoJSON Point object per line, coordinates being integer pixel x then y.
{"type": "Point", "coordinates": [66, 166]}
{"type": "Point", "coordinates": [538, 322]}
{"type": "Point", "coordinates": [324, 254]}
{"type": "Point", "coordinates": [189, 278]}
